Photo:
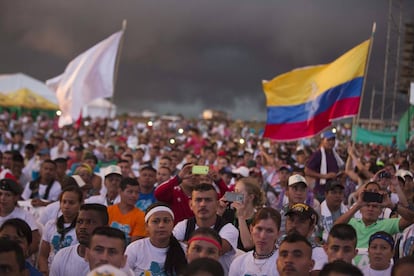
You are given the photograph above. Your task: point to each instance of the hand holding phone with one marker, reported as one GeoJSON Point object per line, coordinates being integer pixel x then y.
{"type": "Point", "coordinates": [200, 170]}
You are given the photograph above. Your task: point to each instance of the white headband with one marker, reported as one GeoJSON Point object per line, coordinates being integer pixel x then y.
{"type": "Point", "coordinates": [158, 209]}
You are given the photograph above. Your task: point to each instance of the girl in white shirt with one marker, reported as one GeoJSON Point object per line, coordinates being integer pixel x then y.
{"type": "Point", "coordinates": [160, 253]}
{"type": "Point", "coordinates": [60, 233]}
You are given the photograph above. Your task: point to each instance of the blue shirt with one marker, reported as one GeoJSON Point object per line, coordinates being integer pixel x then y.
{"type": "Point", "coordinates": [145, 200]}
{"type": "Point", "coordinates": [32, 271]}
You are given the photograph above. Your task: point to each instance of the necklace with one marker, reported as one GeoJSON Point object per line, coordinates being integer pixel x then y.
{"type": "Point", "coordinates": [261, 260]}
{"type": "Point", "coordinates": [264, 256]}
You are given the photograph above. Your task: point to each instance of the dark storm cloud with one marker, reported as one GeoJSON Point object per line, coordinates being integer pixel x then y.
{"type": "Point", "coordinates": [183, 56]}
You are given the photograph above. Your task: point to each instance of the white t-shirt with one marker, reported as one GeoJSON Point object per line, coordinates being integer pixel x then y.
{"type": "Point", "coordinates": [68, 262]}
{"type": "Point", "coordinates": [144, 258]}
{"type": "Point", "coordinates": [53, 193]}
{"type": "Point", "coordinates": [50, 212]}
{"type": "Point", "coordinates": [246, 265]}
{"type": "Point", "coordinates": [372, 272]}
{"type": "Point", "coordinates": [101, 199]}
{"type": "Point", "coordinates": [20, 213]}
{"type": "Point", "coordinates": [320, 257]}
{"type": "Point", "coordinates": [51, 236]}
{"type": "Point", "coordinates": [228, 232]}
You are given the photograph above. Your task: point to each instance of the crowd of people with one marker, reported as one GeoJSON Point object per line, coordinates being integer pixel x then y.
{"type": "Point", "coordinates": [199, 197]}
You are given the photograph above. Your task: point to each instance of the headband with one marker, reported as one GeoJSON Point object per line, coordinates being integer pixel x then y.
{"type": "Point", "coordinates": [209, 240]}
{"type": "Point", "coordinates": [86, 166]}
{"type": "Point", "coordinates": [389, 240]}
{"type": "Point", "coordinates": [158, 209]}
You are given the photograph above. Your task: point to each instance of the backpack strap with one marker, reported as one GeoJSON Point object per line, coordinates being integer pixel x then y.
{"type": "Point", "coordinates": [191, 223]}
{"type": "Point", "coordinates": [190, 227]}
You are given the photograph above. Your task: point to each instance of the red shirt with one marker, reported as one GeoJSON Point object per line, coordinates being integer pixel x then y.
{"type": "Point", "coordinates": [171, 193]}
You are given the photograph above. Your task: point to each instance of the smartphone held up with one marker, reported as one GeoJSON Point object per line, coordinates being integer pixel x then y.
{"type": "Point", "coordinates": [232, 197]}
{"type": "Point", "coordinates": [200, 170]}
{"type": "Point", "coordinates": [372, 197]}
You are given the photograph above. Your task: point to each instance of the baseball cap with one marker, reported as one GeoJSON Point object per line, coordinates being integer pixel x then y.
{"type": "Point", "coordinates": [225, 170]}
{"type": "Point", "coordinates": [328, 134]}
{"type": "Point", "coordinates": [403, 173]}
{"type": "Point", "coordinates": [243, 171]}
{"type": "Point", "coordinates": [79, 180]}
{"type": "Point", "coordinates": [332, 184]}
{"type": "Point", "coordinates": [303, 210]}
{"type": "Point", "coordinates": [112, 169]}
{"type": "Point", "coordinates": [296, 178]}
{"type": "Point", "coordinates": [285, 167]}
{"type": "Point", "coordinates": [10, 185]}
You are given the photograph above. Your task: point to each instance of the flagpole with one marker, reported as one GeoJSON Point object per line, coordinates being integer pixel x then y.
{"type": "Point", "coordinates": [355, 121]}
{"type": "Point", "coordinates": [115, 77]}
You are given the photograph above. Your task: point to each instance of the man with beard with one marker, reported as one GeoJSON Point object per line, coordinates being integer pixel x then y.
{"type": "Point", "coordinates": [70, 260]}
{"type": "Point", "coordinates": [204, 204]}
{"type": "Point", "coordinates": [177, 191]}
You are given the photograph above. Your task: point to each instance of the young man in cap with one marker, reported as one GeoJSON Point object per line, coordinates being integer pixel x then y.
{"type": "Point", "coordinates": [297, 192]}
{"type": "Point", "coordinates": [9, 195]}
{"type": "Point", "coordinates": [302, 219]}
{"type": "Point", "coordinates": [324, 164]}
{"type": "Point", "coordinates": [113, 177]}
{"type": "Point", "coordinates": [332, 207]}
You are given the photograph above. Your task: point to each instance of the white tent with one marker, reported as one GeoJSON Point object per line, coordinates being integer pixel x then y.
{"type": "Point", "coordinates": [14, 82]}
{"type": "Point", "coordinates": [99, 108]}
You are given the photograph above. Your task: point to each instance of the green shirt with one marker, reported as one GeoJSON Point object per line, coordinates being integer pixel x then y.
{"type": "Point", "coordinates": [390, 226]}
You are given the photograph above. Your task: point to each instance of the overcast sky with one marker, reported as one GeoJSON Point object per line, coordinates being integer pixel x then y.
{"type": "Point", "coordinates": [186, 55]}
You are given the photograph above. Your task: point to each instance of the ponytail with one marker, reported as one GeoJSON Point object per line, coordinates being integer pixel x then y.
{"type": "Point", "coordinates": [175, 262]}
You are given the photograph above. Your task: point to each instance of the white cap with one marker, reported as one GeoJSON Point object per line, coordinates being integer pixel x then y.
{"type": "Point", "coordinates": [243, 171]}
{"type": "Point", "coordinates": [79, 180]}
{"type": "Point", "coordinates": [403, 173]}
{"type": "Point", "coordinates": [112, 169]}
{"type": "Point", "coordinates": [107, 270]}
{"type": "Point", "coordinates": [297, 178]}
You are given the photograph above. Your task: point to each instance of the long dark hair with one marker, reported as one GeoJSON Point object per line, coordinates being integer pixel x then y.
{"type": "Point", "coordinates": [60, 223]}
{"type": "Point", "coordinates": [175, 261]}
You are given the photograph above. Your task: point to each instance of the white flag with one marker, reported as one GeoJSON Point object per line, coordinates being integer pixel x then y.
{"type": "Point", "coordinates": [89, 76]}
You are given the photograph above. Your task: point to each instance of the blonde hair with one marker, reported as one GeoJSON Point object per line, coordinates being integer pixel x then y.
{"type": "Point", "coordinates": [252, 187]}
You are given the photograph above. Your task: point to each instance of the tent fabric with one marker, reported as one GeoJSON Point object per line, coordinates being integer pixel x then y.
{"type": "Point", "coordinates": [14, 82]}
{"type": "Point", "coordinates": [4, 100]}
{"type": "Point", "coordinates": [28, 99]}
{"type": "Point", "coordinates": [99, 108]}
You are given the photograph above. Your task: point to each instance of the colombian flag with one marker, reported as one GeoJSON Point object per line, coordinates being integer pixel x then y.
{"type": "Point", "coordinates": [303, 102]}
